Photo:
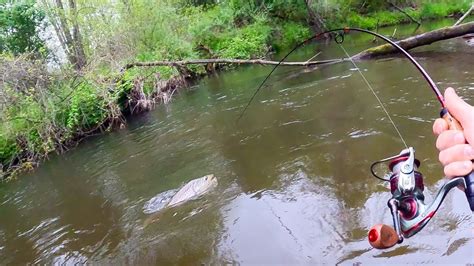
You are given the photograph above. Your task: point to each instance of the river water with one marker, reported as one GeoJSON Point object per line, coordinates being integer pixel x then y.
{"type": "Point", "coordinates": [294, 181]}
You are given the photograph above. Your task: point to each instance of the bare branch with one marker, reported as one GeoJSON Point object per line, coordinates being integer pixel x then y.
{"type": "Point", "coordinates": [228, 61]}
{"type": "Point", "coordinates": [405, 13]}
{"type": "Point", "coordinates": [419, 40]}
{"type": "Point", "coordinates": [464, 16]}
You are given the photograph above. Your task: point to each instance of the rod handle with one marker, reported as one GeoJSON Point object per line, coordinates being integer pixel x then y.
{"type": "Point", "coordinates": [469, 179]}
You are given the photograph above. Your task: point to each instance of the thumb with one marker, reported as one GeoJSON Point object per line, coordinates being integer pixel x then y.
{"type": "Point", "coordinates": [462, 111]}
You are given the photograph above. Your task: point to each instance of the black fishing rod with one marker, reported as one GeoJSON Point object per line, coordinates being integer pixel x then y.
{"type": "Point", "coordinates": [409, 212]}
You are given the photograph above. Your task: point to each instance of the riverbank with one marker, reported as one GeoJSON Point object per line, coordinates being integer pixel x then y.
{"type": "Point", "coordinates": [69, 106]}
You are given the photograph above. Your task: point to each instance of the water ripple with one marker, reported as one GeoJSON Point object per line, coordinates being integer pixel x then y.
{"type": "Point", "coordinates": [363, 133]}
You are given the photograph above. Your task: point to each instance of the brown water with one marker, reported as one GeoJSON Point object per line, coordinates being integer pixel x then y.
{"type": "Point", "coordinates": [294, 184]}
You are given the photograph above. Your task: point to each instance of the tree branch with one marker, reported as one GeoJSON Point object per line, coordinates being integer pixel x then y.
{"type": "Point", "coordinates": [418, 40]}
{"type": "Point", "coordinates": [405, 13]}
{"type": "Point", "coordinates": [227, 61]}
{"type": "Point", "coordinates": [464, 16]}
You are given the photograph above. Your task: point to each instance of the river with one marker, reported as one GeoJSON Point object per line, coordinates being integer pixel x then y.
{"type": "Point", "coordinates": [294, 180]}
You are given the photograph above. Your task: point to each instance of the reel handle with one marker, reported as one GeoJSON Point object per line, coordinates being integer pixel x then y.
{"type": "Point", "coordinates": [382, 236]}
{"type": "Point", "coordinates": [469, 179]}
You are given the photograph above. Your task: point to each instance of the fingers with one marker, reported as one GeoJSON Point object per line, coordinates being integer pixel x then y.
{"type": "Point", "coordinates": [462, 111]}
{"type": "Point", "coordinates": [455, 153]}
{"type": "Point", "coordinates": [439, 126]}
{"type": "Point", "coordinates": [449, 138]}
{"type": "Point", "coordinates": [458, 107]}
{"type": "Point", "coordinates": [461, 152]}
{"type": "Point", "coordinates": [460, 168]}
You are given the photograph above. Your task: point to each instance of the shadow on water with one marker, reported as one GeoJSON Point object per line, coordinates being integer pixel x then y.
{"type": "Point", "coordinates": [294, 184]}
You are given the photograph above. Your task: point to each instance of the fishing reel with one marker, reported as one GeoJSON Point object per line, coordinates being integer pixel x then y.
{"type": "Point", "coordinates": [409, 211]}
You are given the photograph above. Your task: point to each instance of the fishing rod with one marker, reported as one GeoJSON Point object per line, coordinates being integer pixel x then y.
{"type": "Point", "coordinates": [409, 211]}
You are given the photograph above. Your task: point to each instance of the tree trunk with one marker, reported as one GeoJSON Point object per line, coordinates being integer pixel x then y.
{"type": "Point", "coordinates": [64, 31]}
{"type": "Point", "coordinates": [56, 26]}
{"type": "Point", "coordinates": [77, 38]}
{"type": "Point", "coordinates": [315, 21]}
{"type": "Point", "coordinates": [418, 40]}
{"type": "Point", "coordinates": [71, 43]}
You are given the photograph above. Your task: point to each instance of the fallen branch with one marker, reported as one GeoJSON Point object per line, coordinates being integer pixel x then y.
{"type": "Point", "coordinates": [405, 13]}
{"type": "Point", "coordinates": [313, 57]}
{"type": "Point", "coordinates": [464, 16]}
{"type": "Point", "coordinates": [227, 61]}
{"type": "Point", "coordinates": [418, 40]}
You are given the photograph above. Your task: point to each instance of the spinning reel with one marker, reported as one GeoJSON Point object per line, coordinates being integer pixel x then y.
{"type": "Point", "coordinates": [409, 211]}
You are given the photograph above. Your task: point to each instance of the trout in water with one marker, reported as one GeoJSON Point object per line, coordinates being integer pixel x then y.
{"type": "Point", "coordinates": [168, 199]}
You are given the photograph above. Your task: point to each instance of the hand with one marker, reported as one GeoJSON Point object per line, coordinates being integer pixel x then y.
{"type": "Point", "coordinates": [456, 151]}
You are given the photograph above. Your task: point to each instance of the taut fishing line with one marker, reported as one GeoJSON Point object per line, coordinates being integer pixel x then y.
{"type": "Point", "coordinates": [375, 94]}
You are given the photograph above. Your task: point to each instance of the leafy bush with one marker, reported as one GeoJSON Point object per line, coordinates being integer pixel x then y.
{"type": "Point", "coordinates": [443, 9]}
{"type": "Point", "coordinates": [208, 27]}
{"type": "Point", "coordinates": [434, 10]}
{"type": "Point", "coordinates": [87, 108]}
{"type": "Point", "coordinates": [20, 23]}
{"type": "Point", "coordinates": [247, 42]}
{"type": "Point", "coordinates": [7, 150]}
{"type": "Point", "coordinates": [290, 34]}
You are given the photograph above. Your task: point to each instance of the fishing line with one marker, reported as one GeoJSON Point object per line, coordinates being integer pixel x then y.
{"type": "Point", "coordinates": [339, 38]}
{"type": "Point", "coordinates": [375, 94]}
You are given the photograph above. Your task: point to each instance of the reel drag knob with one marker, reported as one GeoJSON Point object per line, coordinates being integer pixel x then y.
{"type": "Point", "coordinates": [382, 236]}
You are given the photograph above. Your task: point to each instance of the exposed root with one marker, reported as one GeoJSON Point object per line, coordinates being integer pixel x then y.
{"type": "Point", "coordinates": [164, 90]}
{"type": "Point", "coordinates": [138, 101]}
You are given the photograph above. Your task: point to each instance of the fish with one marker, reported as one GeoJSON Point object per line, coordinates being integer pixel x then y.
{"type": "Point", "coordinates": [159, 201]}
{"type": "Point", "coordinates": [193, 189]}
{"type": "Point", "coordinates": [190, 191]}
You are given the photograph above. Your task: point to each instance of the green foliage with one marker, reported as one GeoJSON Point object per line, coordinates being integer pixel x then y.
{"type": "Point", "coordinates": [7, 149]}
{"type": "Point", "coordinates": [245, 11]}
{"type": "Point", "coordinates": [87, 108]}
{"type": "Point", "coordinates": [197, 3]}
{"type": "Point", "coordinates": [23, 119]}
{"type": "Point", "coordinates": [287, 10]}
{"type": "Point", "coordinates": [382, 17]}
{"type": "Point", "coordinates": [247, 42]}
{"type": "Point", "coordinates": [208, 27]}
{"type": "Point", "coordinates": [290, 34]}
{"type": "Point", "coordinates": [160, 32]}
{"type": "Point", "coordinates": [20, 22]}
{"type": "Point", "coordinates": [443, 8]}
